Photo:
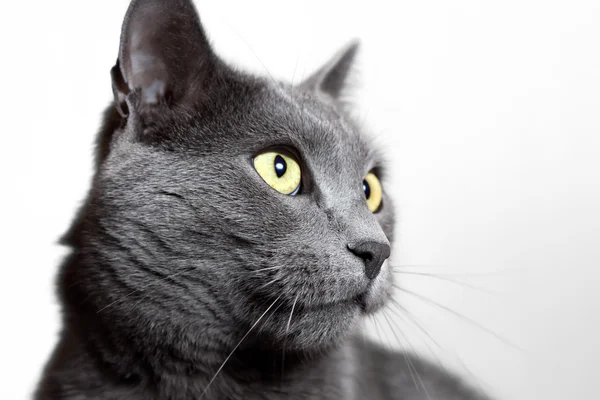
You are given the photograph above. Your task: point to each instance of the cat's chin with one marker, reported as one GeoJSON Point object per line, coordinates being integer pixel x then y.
{"type": "Point", "coordinates": [319, 327]}
{"type": "Point", "coordinates": [370, 301]}
{"type": "Point", "coordinates": [312, 329]}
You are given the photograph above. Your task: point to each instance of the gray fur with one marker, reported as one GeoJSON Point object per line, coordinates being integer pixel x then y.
{"type": "Point", "coordinates": [180, 247]}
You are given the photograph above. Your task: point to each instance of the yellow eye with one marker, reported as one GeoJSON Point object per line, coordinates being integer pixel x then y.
{"type": "Point", "coordinates": [281, 172]}
{"type": "Point", "coordinates": [373, 192]}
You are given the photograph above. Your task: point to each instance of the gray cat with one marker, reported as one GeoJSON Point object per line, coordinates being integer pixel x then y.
{"type": "Point", "coordinates": [234, 237]}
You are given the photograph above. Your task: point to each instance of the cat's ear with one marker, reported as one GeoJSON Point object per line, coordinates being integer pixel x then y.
{"type": "Point", "coordinates": [164, 53]}
{"type": "Point", "coordinates": [332, 78]}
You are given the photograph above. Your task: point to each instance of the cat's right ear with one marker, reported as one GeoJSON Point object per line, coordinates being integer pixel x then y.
{"type": "Point", "coordinates": [332, 78]}
{"type": "Point", "coordinates": [164, 54]}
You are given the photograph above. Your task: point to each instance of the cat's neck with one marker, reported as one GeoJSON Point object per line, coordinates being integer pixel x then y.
{"type": "Point", "coordinates": [255, 374]}
{"type": "Point", "coordinates": [248, 373]}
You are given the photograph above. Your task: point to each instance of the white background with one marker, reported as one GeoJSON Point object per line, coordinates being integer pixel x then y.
{"type": "Point", "coordinates": [490, 114]}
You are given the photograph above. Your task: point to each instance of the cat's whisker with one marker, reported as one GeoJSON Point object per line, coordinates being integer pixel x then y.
{"type": "Point", "coordinates": [377, 328]}
{"type": "Point", "coordinates": [272, 281]}
{"type": "Point", "coordinates": [482, 385]}
{"type": "Point", "coordinates": [445, 279]}
{"type": "Point", "coordinates": [267, 269]}
{"type": "Point", "coordinates": [253, 52]}
{"type": "Point", "coordinates": [272, 313]}
{"type": "Point", "coordinates": [238, 345]}
{"type": "Point", "coordinates": [413, 319]}
{"type": "Point", "coordinates": [374, 321]}
{"type": "Point", "coordinates": [287, 329]}
{"type": "Point", "coordinates": [406, 357]}
{"type": "Point", "coordinates": [404, 312]}
{"type": "Point", "coordinates": [458, 315]}
{"type": "Point", "coordinates": [417, 324]}
{"type": "Point", "coordinates": [294, 76]}
{"type": "Point", "coordinates": [444, 270]}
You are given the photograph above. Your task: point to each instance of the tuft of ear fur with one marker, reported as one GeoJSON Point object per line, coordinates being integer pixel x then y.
{"type": "Point", "coordinates": [164, 53]}
{"type": "Point", "coordinates": [332, 78]}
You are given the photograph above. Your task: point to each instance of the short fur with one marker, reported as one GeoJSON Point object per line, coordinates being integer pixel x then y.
{"type": "Point", "coordinates": [182, 258]}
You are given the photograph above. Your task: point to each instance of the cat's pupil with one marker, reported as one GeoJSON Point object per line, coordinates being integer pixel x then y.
{"type": "Point", "coordinates": [280, 166]}
{"type": "Point", "coordinates": [366, 189]}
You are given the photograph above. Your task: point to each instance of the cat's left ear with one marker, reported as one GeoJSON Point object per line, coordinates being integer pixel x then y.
{"type": "Point", "coordinates": [164, 54]}
{"type": "Point", "coordinates": [332, 78]}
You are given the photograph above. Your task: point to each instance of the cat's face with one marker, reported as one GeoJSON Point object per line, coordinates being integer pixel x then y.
{"type": "Point", "coordinates": [212, 241]}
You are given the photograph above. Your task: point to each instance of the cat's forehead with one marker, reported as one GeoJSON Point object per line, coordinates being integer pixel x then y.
{"type": "Point", "coordinates": [278, 115]}
{"type": "Point", "coordinates": [328, 135]}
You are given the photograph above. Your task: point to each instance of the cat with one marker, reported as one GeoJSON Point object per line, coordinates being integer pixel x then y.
{"type": "Point", "coordinates": [235, 235]}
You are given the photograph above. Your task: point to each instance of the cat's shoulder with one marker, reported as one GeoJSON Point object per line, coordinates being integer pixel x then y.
{"type": "Point", "coordinates": [383, 373]}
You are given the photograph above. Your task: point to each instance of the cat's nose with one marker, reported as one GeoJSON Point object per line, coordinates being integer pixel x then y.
{"type": "Point", "coordinates": [373, 254]}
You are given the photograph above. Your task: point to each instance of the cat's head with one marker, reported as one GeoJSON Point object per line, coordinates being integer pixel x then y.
{"type": "Point", "coordinates": [222, 199]}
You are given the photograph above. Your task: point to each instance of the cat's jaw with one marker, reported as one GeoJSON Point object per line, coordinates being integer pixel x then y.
{"type": "Point", "coordinates": [316, 327]}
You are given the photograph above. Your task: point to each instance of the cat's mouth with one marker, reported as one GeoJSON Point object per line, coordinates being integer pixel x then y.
{"type": "Point", "coordinates": [361, 301]}
{"type": "Point", "coordinates": [368, 301]}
